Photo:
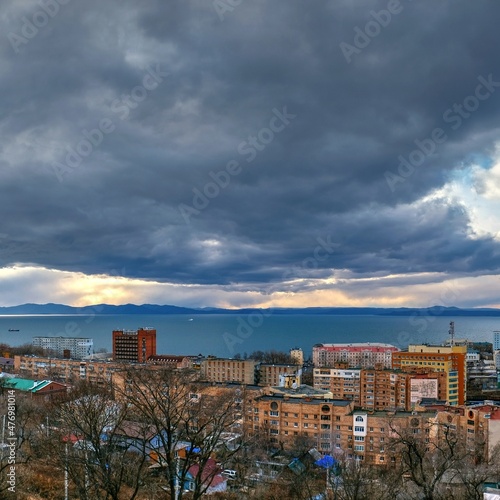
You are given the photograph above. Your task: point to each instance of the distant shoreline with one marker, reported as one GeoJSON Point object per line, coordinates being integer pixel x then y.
{"type": "Point", "coordinates": [150, 309]}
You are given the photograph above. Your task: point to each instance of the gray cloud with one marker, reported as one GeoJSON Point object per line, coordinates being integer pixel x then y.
{"type": "Point", "coordinates": [321, 176]}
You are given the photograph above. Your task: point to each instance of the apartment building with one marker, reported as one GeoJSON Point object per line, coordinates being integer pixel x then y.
{"type": "Point", "coordinates": [334, 427]}
{"type": "Point", "coordinates": [366, 355]}
{"type": "Point", "coordinates": [134, 346]}
{"type": "Point", "coordinates": [496, 341]}
{"type": "Point", "coordinates": [270, 374]}
{"type": "Point", "coordinates": [297, 355]}
{"type": "Point", "coordinates": [283, 414]}
{"type": "Point", "coordinates": [343, 383]}
{"type": "Point", "coordinates": [242, 371]}
{"type": "Point", "coordinates": [66, 347]}
{"type": "Point", "coordinates": [171, 361]}
{"type": "Point", "coordinates": [381, 389]}
{"type": "Point", "coordinates": [450, 360]}
{"type": "Point", "coordinates": [65, 370]}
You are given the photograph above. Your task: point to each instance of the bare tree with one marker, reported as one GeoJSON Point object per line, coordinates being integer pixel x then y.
{"type": "Point", "coordinates": [192, 423]}
{"type": "Point", "coordinates": [88, 445]}
{"type": "Point", "coordinates": [427, 463]}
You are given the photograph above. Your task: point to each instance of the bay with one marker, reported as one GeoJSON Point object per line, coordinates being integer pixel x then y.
{"type": "Point", "coordinates": [224, 335]}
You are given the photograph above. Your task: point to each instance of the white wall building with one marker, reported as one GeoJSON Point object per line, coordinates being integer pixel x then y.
{"type": "Point", "coordinates": [78, 347]}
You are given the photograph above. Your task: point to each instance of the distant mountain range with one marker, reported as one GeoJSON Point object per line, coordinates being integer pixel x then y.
{"type": "Point", "coordinates": [168, 309]}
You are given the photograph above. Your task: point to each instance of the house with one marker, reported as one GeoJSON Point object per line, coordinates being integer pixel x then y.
{"type": "Point", "coordinates": [34, 387]}
{"type": "Point", "coordinates": [137, 437]}
{"type": "Point", "coordinates": [211, 478]}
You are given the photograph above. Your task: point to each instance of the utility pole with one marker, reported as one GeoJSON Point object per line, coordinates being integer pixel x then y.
{"type": "Point", "coordinates": [177, 482]}
{"type": "Point", "coordinates": [66, 481]}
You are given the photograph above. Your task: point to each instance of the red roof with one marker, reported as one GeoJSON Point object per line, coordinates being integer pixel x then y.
{"type": "Point", "coordinates": [210, 471]}
{"type": "Point", "coordinates": [357, 348]}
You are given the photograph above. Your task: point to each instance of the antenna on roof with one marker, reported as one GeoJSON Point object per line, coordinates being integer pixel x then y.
{"type": "Point", "coordinates": [452, 333]}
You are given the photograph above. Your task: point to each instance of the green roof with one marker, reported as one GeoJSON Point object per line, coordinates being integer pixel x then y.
{"type": "Point", "coordinates": [26, 385]}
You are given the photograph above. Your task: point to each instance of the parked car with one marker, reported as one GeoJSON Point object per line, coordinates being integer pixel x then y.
{"type": "Point", "coordinates": [229, 473]}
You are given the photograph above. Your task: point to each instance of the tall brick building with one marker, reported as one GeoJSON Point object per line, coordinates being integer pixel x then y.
{"type": "Point", "coordinates": [134, 346]}
{"type": "Point", "coordinates": [450, 360]}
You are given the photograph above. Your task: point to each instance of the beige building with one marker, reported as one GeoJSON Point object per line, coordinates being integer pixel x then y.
{"type": "Point", "coordinates": [65, 370]}
{"type": "Point", "coordinates": [229, 370]}
{"type": "Point", "coordinates": [274, 374]}
{"type": "Point", "coordinates": [297, 355]}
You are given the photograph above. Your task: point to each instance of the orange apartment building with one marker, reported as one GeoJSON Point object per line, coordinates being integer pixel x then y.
{"type": "Point", "coordinates": [381, 389]}
{"type": "Point", "coordinates": [134, 346]}
{"type": "Point", "coordinates": [450, 360]}
{"type": "Point", "coordinates": [334, 427]}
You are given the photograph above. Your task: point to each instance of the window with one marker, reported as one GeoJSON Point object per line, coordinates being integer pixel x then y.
{"type": "Point", "coordinates": [358, 428]}
{"type": "Point", "coordinates": [359, 419]}
{"type": "Point", "coordinates": [274, 413]}
{"type": "Point", "coordinates": [274, 431]}
{"type": "Point", "coordinates": [359, 438]}
{"type": "Point", "coordinates": [359, 447]}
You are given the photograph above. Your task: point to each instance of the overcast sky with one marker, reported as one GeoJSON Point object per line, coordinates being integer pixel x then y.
{"type": "Point", "coordinates": [250, 153]}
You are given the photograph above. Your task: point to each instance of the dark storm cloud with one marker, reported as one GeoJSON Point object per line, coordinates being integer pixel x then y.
{"type": "Point", "coordinates": [322, 176]}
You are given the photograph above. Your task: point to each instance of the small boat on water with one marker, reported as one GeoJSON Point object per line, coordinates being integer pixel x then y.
{"type": "Point", "coordinates": [13, 329]}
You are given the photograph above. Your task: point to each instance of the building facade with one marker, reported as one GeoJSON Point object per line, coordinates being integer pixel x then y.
{"type": "Point", "coordinates": [270, 374]}
{"type": "Point", "coordinates": [220, 370]}
{"type": "Point", "coordinates": [334, 427]}
{"type": "Point", "coordinates": [451, 360]}
{"type": "Point", "coordinates": [297, 355]}
{"type": "Point", "coordinates": [67, 347]}
{"type": "Point", "coordinates": [496, 341]}
{"type": "Point", "coordinates": [65, 370]}
{"type": "Point", "coordinates": [134, 346]}
{"type": "Point", "coordinates": [366, 355]}
{"type": "Point", "coordinates": [381, 389]}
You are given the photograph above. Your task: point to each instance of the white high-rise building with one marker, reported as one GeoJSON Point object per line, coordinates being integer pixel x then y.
{"type": "Point", "coordinates": [496, 341]}
{"type": "Point", "coordinates": [72, 347]}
